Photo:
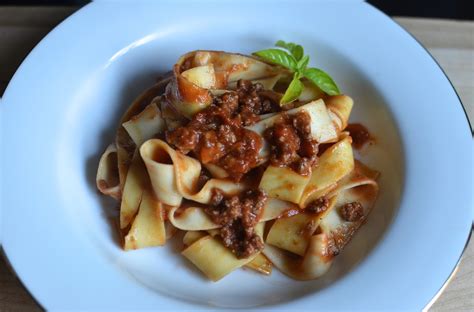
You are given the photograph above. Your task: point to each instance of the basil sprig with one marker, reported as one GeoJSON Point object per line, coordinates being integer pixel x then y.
{"type": "Point", "coordinates": [292, 57]}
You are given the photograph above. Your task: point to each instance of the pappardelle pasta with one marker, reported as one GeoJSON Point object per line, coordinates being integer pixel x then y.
{"type": "Point", "coordinates": [211, 150]}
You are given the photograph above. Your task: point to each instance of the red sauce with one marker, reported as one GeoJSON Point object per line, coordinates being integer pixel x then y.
{"type": "Point", "coordinates": [162, 157]}
{"type": "Point", "coordinates": [360, 135]}
{"type": "Point", "coordinates": [187, 91]}
{"type": "Point", "coordinates": [324, 147]}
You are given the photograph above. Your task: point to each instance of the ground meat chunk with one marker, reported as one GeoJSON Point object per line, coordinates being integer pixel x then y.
{"type": "Point", "coordinates": [226, 135]}
{"type": "Point", "coordinates": [302, 124]}
{"type": "Point", "coordinates": [185, 138]}
{"type": "Point", "coordinates": [267, 106]}
{"type": "Point", "coordinates": [318, 206]}
{"type": "Point", "coordinates": [252, 204]}
{"type": "Point", "coordinates": [303, 165]}
{"type": "Point", "coordinates": [291, 143]}
{"type": "Point", "coordinates": [352, 212]}
{"type": "Point", "coordinates": [242, 156]}
{"type": "Point", "coordinates": [286, 141]}
{"type": "Point", "coordinates": [241, 242]}
{"type": "Point", "coordinates": [228, 101]}
{"type": "Point", "coordinates": [238, 216]}
{"type": "Point", "coordinates": [254, 101]}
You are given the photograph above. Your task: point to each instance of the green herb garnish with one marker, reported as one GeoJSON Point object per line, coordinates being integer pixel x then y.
{"type": "Point", "coordinates": [295, 60]}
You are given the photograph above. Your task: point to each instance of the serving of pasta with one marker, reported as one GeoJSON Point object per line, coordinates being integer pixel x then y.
{"type": "Point", "coordinates": [248, 157]}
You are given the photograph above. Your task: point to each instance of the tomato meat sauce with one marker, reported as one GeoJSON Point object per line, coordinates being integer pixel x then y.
{"type": "Point", "coordinates": [291, 143]}
{"type": "Point", "coordinates": [238, 215]}
{"type": "Point", "coordinates": [360, 135]}
{"type": "Point", "coordinates": [217, 134]}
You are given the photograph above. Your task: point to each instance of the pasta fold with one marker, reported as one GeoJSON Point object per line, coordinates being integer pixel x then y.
{"type": "Point", "coordinates": [222, 261]}
{"type": "Point", "coordinates": [284, 183]}
{"type": "Point", "coordinates": [148, 227]}
{"type": "Point", "coordinates": [174, 176]}
{"type": "Point", "coordinates": [333, 165]}
{"type": "Point", "coordinates": [146, 124]}
{"type": "Point", "coordinates": [132, 192]}
{"type": "Point", "coordinates": [125, 145]}
{"type": "Point", "coordinates": [107, 179]}
{"type": "Point", "coordinates": [334, 232]}
{"type": "Point", "coordinates": [260, 263]}
{"type": "Point", "coordinates": [340, 107]}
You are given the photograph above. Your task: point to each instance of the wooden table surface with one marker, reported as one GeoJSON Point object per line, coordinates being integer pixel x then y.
{"type": "Point", "coordinates": [450, 42]}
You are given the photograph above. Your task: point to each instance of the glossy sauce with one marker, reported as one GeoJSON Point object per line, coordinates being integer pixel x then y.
{"type": "Point", "coordinates": [360, 135]}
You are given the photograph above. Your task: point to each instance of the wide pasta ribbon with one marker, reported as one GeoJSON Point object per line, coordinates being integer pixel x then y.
{"type": "Point", "coordinates": [125, 145]}
{"type": "Point", "coordinates": [334, 233]}
{"type": "Point", "coordinates": [107, 179]}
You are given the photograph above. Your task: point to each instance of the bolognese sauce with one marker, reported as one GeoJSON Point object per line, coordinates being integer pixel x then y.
{"type": "Point", "coordinates": [360, 135]}
{"type": "Point", "coordinates": [237, 215]}
{"type": "Point", "coordinates": [217, 134]}
{"type": "Point", "coordinates": [291, 143]}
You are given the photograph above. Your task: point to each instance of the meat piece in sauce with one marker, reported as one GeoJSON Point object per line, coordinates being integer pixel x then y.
{"type": "Point", "coordinates": [302, 124]}
{"type": "Point", "coordinates": [291, 143]}
{"type": "Point", "coordinates": [318, 206]}
{"type": "Point", "coordinates": [285, 141]}
{"type": "Point", "coordinates": [352, 212]}
{"type": "Point", "coordinates": [238, 216]}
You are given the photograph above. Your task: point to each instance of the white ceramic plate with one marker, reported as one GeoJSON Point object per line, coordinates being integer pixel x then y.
{"type": "Point", "coordinates": [61, 108]}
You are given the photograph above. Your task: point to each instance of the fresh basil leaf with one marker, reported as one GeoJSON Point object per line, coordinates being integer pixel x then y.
{"type": "Point", "coordinates": [297, 51]}
{"type": "Point", "coordinates": [322, 80]}
{"type": "Point", "coordinates": [279, 57]}
{"type": "Point", "coordinates": [303, 63]}
{"type": "Point", "coordinates": [285, 45]}
{"type": "Point", "coordinates": [296, 61]}
{"type": "Point", "coordinates": [293, 91]}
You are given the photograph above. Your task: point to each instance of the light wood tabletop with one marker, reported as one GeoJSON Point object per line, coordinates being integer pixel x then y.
{"type": "Point", "coordinates": [451, 43]}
